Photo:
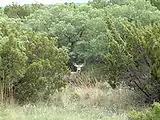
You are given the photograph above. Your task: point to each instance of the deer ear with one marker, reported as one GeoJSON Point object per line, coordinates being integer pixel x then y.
{"type": "Point", "coordinates": [75, 64]}
{"type": "Point", "coordinates": [81, 65]}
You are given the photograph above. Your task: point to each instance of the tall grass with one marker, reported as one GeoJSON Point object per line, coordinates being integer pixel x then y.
{"type": "Point", "coordinates": [42, 112]}
{"type": "Point", "coordinates": [100, 96]}
{"type": "Point", "coordinates": [84, 101]}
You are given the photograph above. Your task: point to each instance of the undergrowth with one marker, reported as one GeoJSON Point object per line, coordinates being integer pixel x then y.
{"type": "Point", "coordinates": [98, 102]}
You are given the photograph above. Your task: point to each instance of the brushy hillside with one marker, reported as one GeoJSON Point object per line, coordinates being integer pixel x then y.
{"type": "Point", "coordinates": [115, 42]}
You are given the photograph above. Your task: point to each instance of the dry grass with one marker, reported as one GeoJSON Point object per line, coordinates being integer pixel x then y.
{"type": "Point", "coordinates": [43, 112]}
{"type": "Point", "coordinates": [84, 101]}
{"type": "Point", "coordinates": [99, 95]}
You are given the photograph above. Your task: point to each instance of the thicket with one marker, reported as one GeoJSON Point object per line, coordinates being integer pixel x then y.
{"type": "Point", "coordinates": [118, 40]}
{"type": "Point", "coordinates": [147, 114]}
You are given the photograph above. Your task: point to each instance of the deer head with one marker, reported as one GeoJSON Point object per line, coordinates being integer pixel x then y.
{"type": "Point", "coordinates": [73, 75]}
{"type": "Point", "coordinates": [79, 67]}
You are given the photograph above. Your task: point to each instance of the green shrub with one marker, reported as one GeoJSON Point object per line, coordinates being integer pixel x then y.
{"type": "Point", "coordinates": [148, 114]}
{"type": "Point", "coordinates": [31, 64]}
{"type": "Point", "coordinates": [46, 66]}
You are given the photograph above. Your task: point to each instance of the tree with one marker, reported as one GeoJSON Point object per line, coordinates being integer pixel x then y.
{"type": "Point", "coordinates": [46, 66]}
{"type": "Point", "coordinates": [29, 58]}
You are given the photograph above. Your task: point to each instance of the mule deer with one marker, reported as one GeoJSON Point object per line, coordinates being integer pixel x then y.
{"type": "Point", "coordinates": [73, 75]}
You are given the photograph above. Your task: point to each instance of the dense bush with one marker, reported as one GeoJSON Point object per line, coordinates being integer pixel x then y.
{"type": "Point", "coordinates": [31, 66]}
{"type": "Point", "coordinates": [149, 114]}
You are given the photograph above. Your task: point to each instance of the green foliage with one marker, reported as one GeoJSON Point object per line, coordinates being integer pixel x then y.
{"type": "Point", "coordinates": [137, 11]}
{"type": "Point", "coordinates": [2, 12]}
{"type": "Point", "coordinates": [98, 3]}
{"type": "Point", "coordinates": [17, 11]}
{"type": "Point", "coordinates": [150, 114]}
{"type": "Point", "coordinates": [41, 83]}
{"type": "Point", "coordinates": [13, 61]}
{"type": "Point", "coordinates": [119, 2]}
{"type": "Point", "coordinates": [46, 65]}
{"type": "Point", "coordinates": [155, 3]}
{"type": "Point", "coordinates": [31, 64]}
